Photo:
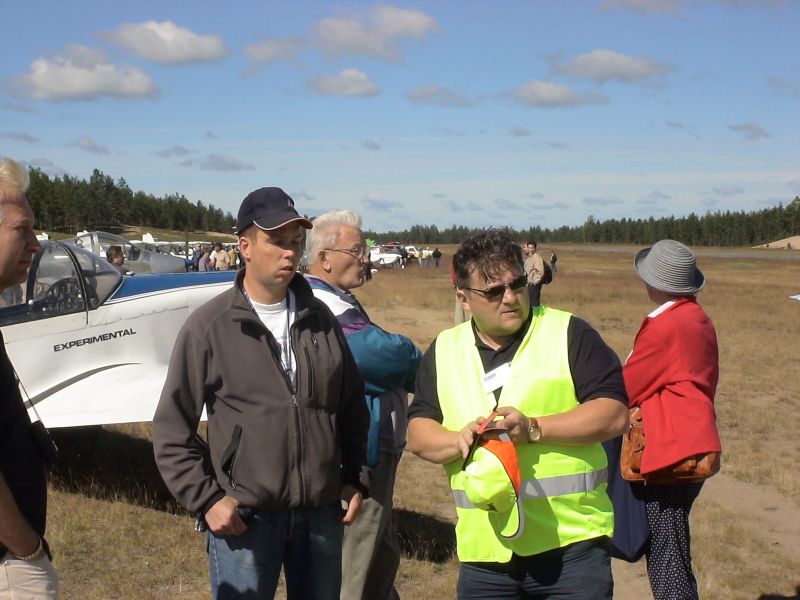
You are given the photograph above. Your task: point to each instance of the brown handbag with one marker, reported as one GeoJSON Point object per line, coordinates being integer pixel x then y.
{"type": "Point", "coordinates": [693, 468]}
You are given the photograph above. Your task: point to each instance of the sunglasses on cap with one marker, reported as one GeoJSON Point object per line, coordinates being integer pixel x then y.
{"type": "Point", "coordinates": [497, 291]}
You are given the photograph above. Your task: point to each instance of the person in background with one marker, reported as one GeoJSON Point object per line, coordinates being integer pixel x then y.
{"type": "Point", "coordinates": [285, 464]}
{"type": "Point", "coordinates": [233, 259]}
{"type": "Point", "coordinates": [553, 261]}
{"type": "Point", "coordinates": [116, 257]}
{"type": "Point", "coordinates": [437, 256]}
{"type": "Point", "coordinates": [26, 572]}
{"type": "Point", "coordinates": [218, 260]}
{"type": "Point", "coordinates": [338, 259]}
{"type": "Point", "coordinates": [534, 269]}
{"type": "Point", "coordinates": [558, 392]}
{"type": "Point", "coordinates": [672, 375]}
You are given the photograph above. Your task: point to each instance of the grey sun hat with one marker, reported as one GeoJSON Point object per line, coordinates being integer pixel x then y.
{"type": "Point", "coordinates": [670, 267]}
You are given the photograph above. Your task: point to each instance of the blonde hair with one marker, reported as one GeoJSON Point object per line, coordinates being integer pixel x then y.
{"type": "Point", "coordinates": [12, 177]}
{"type": "Point", "coordinates": [326, 231]}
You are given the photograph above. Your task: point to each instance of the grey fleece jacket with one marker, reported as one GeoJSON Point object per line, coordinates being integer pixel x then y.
{"type": "Point", "coordinates": [269, 448]}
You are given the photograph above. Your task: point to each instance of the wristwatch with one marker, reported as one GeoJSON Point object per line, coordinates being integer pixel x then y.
{"type": "Point", "coordinates": [534, 431]}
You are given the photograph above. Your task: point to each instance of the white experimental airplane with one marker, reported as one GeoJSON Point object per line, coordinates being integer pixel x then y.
{"type": "Point", "coordinates": [91, 346]}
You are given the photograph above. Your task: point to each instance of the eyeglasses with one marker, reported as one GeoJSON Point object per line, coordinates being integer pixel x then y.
{"type": "Point", "coordinates": [498, 291]}
{"type": "Point", "coordinates": [356, 252]}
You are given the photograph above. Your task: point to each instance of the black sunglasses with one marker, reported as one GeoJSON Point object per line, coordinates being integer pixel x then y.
{"type": "Point", "coordinates": [497, 291]}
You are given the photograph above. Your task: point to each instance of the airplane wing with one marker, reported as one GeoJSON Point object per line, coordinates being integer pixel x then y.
{"type": "Point", "coordinates": [116, 393]}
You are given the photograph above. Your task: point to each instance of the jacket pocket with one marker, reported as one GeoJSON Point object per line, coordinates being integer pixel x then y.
{"type": "Point", "coordinates": [228, 461]}
{"type": "Point", "coordinates": [309, 367]}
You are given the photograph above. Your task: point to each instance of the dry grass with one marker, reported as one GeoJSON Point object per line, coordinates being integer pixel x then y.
{"type": "Point", "coordinates": [118, 534]}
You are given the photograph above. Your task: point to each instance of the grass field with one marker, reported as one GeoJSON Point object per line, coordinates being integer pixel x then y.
{"type": "Point", "coordinates": [117, 533]}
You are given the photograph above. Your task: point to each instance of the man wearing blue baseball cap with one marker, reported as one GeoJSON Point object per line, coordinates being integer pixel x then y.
{"type": "Point", "coordinates": [284, 466]}
{"type": "Point", "coordinates": [533, 514]}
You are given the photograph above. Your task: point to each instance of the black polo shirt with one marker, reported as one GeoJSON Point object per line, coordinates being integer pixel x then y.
{"type": "Point", "coordinates": [595, 368]}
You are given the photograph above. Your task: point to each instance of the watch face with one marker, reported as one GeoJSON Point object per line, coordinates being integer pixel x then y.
{"type": "Point", "coordinates": [535, 434]}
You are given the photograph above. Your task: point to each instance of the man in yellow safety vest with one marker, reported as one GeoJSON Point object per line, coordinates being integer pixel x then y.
{"type": "Point", "coordinates": [552, 390]}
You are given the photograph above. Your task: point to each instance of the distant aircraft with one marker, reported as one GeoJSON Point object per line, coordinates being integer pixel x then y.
{"type": "Point", "coordinates": [384, 256]}
{"type": "Point", "coordinates": [90, 346]}
{"type": "Point", "coordinates": [137, 259]}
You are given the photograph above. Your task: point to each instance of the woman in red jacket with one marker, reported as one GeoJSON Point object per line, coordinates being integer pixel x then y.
{"type": "Point", "coordinates": [672, 374]}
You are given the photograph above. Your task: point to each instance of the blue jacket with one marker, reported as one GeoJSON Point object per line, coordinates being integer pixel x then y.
{"type": "Point", "coordinates": [386, 361]}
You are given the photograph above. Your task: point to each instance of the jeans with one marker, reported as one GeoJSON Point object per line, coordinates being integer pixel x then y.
{"type": "Point", "coordinates": [580, 571]}
{"type": "Point", "coordinates": [306, 542]}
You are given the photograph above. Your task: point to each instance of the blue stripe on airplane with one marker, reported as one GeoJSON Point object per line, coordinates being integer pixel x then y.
{"type": "Point", "coordinates": [159, 282]}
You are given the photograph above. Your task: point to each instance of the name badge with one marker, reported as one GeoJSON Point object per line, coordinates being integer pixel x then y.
{"type": "Point", "coordinates": [496, 378]}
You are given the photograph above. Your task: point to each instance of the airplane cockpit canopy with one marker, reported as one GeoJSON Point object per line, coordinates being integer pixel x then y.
{"type": "Point", "coordinates": [62, 280]}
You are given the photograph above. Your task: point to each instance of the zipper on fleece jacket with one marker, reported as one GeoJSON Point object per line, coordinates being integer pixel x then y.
{"type": "Point", "coordinates": [230, 454]}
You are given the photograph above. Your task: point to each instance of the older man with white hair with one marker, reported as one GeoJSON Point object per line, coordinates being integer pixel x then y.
{"type": "Point", "coordinates": [26, 572]}
{"type": "Point", "coordinates": [388, 362]}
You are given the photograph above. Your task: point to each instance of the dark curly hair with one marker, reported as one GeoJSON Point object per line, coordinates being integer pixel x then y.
{"type": "Point", "coordinates": [489, 253]}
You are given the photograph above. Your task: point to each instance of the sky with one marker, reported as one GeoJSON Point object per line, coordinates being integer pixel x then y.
{"type": "Point", "coordinates": [478, 113]}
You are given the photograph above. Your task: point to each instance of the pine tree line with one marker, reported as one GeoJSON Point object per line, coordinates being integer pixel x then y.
{"type": "Point", "coordinates": [68, 204]}
{"type": "Point", "coordinates": [712, 229]}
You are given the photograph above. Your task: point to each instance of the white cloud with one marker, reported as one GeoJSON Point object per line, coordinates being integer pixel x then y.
{"type": "Point", "coordinates": [606, 65]}
{"type": "Point", "coordinates": [545, 94]}
{"type": "Point", "coordinates": [456, 206]}
{"type": "Point", "coordinates": [223, 162]}
{"type": "Point", "coordinates": [270, 51]}
{"type": "Point", "coordinates": [674, 7]}
{"type": "Point", "coordinates": [167, 43]}
{"type": "Point", "coordinates": [645, 6]}
{"type": "Point", "coordinates": [47, 167]}
{"type": "Point", "coordinates": [82, 73]}
{"type": "Point", "coordinates": [350, 82]}
{"type": "Point", "coordinates": [751, 131]}
{"type": "Point", "coordinates": [519, 131]}
{"type": "Point", "coordinates": [86, 143]}
{"type": "Point", "coordinates": [447, 132]}
{"type": "Point", "coordinates": [504, 204]}
{"type": "Point", "coordinates": [794, 185]}
{"type": "Point", "coordinates": [174, 151]}
{"type": "Point", "coordinates": [302, 195]}
{"type": "Point", "coordinates": [785, 85]}
{"type": "Point", "coordinates": [536, 195]}
{"type": "Point", "coordinates": [601, 201]}
{"type": "Point", "coordinates": [438, 96]}
{"type": "Point", "coordinates": [370, 144]}
{"type": "Point", "coordinates": [728, 190]}
{"type": "Point", "coordinates": [553, 206]}
{"type": "Point", "coordinates": [375, 201]}
{"type": "Point", "coordinates": [373, 34]}
{"type": "Point", "coordinates": [23, 108]}
{"type": "Point", "coordinates": [18, 136]}
{"type": "Point", "coordinates": [653, 198]}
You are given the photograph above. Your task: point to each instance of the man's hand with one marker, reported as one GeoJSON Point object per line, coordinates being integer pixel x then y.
{"type": "Point", "coordinates": [223, 519]}
{"type": "Point", "coordinates": [517, 425]}
{"type": "Point", "coordinates": [467, 435]}
{"type": "Point", "coordinates": [353, 499]}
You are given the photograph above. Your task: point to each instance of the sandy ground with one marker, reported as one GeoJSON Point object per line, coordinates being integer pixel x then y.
{"type": "Point", "coordinates": [794, 241]}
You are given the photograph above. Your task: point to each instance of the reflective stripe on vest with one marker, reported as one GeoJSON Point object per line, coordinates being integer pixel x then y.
{"type": "Point", "coordinates": [548, 487]}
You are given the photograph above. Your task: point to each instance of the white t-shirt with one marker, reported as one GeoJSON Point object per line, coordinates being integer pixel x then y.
{"type": "Point", "coordinates": [278, 319]}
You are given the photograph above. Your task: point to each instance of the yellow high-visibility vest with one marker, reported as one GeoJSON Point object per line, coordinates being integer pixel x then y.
{"type": "Point", "coordinates": [563, 487]}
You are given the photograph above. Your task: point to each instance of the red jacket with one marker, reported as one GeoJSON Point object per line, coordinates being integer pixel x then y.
{"type": "Point", "coordinates": [672, 373]}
